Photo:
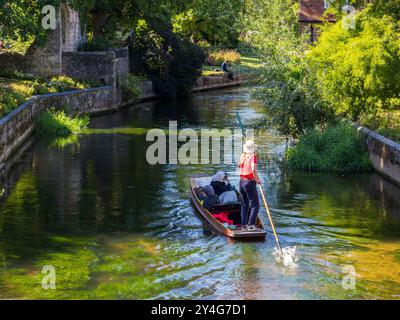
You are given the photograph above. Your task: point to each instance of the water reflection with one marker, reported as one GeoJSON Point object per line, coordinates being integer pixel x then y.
{"type": "Point", "coordinates": [115, 227]}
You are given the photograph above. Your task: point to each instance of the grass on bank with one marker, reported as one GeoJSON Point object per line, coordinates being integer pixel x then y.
{"type": "Point", "coordinates": [16, 88]}
{"type": "Point", "coordinates": [56, 123]}
{"type": "Point", "coordinates": [337, 148]}
{"type": "Point", "coordinates": [247, 63]}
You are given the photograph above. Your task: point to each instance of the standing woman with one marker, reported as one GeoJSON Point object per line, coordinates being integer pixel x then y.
{"type": "Point", "coordinates": [248, 185]}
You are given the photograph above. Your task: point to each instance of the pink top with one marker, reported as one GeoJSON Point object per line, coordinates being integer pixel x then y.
{"type": "Point", "coordinates": [246, 170]}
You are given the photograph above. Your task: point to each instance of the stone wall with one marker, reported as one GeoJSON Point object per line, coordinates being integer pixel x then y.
{"type": "Point", "coordinates": [216, 82]}
{"type": "Point", "coordinates": [91, 66]}
{"type": "Point", "coordinates": [73, 33]}
{"type": "Point", "coordinates": [17, 126]}
{"type": "Point", "coordinates": [384, 154]}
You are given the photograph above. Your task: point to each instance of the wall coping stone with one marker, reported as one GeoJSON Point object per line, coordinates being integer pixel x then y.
{"type": "Point", "coordinates": [16, 111]}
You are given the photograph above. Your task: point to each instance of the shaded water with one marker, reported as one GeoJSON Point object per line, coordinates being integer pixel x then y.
{"type": "Point", "coordinates": [115, 227]}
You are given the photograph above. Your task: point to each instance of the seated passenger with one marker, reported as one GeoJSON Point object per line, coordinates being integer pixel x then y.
{"type": "Point", "coordinates": [220, 183]}
{"type": "Point", "coordinates": [228, 197]}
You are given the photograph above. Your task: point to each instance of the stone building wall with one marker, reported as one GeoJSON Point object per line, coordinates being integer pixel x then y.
{"type": "Point", "coordinates": [46, 60]}
{"type": "Point", "coordinates": [93, 66]}
{"type": "Point", "coordinates": [73, 33]}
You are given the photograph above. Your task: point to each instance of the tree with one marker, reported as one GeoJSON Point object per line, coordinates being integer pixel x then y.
{"type": "Point", "coordinates": [172, 62]}
{"type": "Point", "coordinates": [355, 68]}
{"type": "Point", "coordinates": [216, 22]}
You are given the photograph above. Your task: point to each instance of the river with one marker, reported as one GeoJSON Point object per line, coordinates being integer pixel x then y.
{"type": "Point", "coordinates": [114, 227]}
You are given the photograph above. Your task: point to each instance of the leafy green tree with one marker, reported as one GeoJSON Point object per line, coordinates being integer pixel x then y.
{"type": "Point", "coordinates": [288, 88]}
{"type": "Point", "coordinates": [172, 63]}
{"type": "Point", "coordinates": [216, 22]}
{"type": "Point", "coordinates": [356, 68]}
{"type": "Point", "coordinates": [21, 19]}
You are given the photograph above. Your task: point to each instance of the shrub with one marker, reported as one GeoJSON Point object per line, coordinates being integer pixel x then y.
{"type": "Point", "coordinates": [216, 58]}
{"type": "Point", "coordinates": [130, 85]}
{"type": "Point", "coordinates": [58, 124]}
{"type": "Point", "coordinates": [172, 63]}
{"type": "Point", "coordinates": [338, 148]}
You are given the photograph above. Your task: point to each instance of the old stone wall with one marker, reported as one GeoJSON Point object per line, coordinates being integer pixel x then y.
{"type": "Point", "coordinates": [73, 33]}
{"type": "Point", "coordinates": [45, 60]}
{"type": "Point", "coordinates": [93, 66]}
{"type": "Point", "coordinates": [384, 154]}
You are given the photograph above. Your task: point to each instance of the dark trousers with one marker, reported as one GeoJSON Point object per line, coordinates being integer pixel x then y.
{"type": "Point", "coordinates": [250, 201]}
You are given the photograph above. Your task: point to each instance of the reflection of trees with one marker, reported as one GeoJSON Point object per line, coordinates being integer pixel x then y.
{"type": "Point", "coordinates": [350, 202]}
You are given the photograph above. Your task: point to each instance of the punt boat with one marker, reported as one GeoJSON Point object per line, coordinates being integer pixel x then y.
{"type": "Point", "coordinates": [233, 210]}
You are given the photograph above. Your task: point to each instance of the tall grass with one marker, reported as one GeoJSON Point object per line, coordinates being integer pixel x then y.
{"type": "Point", "coordinates": [215, 58]}
{"type": "Point", "coordinates": [56, 123]}
{"type": "Point", "coordinates": [338, 148]}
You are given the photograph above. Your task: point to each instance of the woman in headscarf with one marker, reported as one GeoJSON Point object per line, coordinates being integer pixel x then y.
{"type": "Point", "coordinates": [220, 183]}
{"type": "Point", "coordinates": [248, 185]}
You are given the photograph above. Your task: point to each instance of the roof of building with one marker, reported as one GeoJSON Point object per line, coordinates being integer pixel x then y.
{"type": "Point", "coordinates": [312, 11]}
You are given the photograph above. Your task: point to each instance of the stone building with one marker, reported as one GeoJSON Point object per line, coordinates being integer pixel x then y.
{"type": "Point", "coordinates": [311, 14]}
{"type": "Point", "coordinates": [46, 60]}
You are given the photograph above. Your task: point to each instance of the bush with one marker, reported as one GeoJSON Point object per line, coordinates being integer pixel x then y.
{"type": "Point", "coordinates": [338, 148]}
{"type": "Point", "coordinates": [216, 58]}
{"type": "Point", "coordinates": [54, 123]}
{"type": "Point", "coordinates": [130, 85]}
{"type": "Point", "coordinates": [172, 63]}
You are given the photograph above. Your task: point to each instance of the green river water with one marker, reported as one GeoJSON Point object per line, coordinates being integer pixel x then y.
{"type": "Point", "coordinates": [114, 227]}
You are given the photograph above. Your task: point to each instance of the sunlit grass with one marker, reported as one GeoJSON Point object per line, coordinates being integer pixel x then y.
{"type": "Point", "coordinates": [16, 88]}
{"type": "Point", "coordinates": [59, 124]}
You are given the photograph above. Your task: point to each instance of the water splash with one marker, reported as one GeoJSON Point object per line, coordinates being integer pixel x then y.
{"type": "Point", "coordinates": [287, 257]}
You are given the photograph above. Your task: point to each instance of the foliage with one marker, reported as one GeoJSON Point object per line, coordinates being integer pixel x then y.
{"type": "Point", "coordinates": [355, 67]}
{"type": "Point", "coordinates": [289, 89]}
{"type": "Point", "coordinates": [338, 148]}
{"type": "Point", "coordinates": [21, 19]}
{"type": "Point", "coordinates": [130, 85]}
{"type": "Point", "coordinates": [387, 123]}
{"type": "Point", "coordinates": [55, 123]}
{"type": "Point", "coordinates": [213, 22]}
{"type": "Point", "coordinates": [171, 62]}
{"type": "Point", "coordinates": [99, 43]}
{"type": "Point", "coordinates": [216, 58]}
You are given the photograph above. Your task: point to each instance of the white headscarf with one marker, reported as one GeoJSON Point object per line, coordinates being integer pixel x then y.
{"type": "Point", "coordinates": [219, 176]}
{"type": "Point", "coordinates": [249, 147]}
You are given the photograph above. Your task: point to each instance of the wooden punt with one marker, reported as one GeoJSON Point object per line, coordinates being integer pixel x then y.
{"type": "Point", "coordinates": [234, 210]}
